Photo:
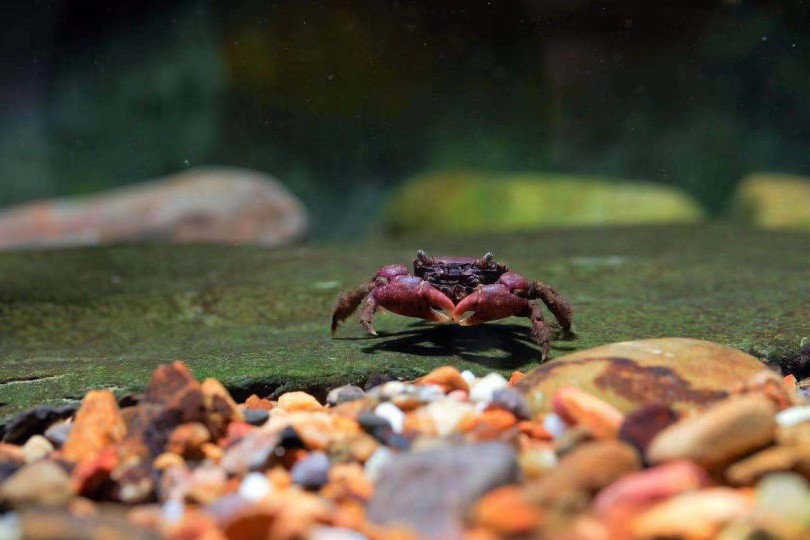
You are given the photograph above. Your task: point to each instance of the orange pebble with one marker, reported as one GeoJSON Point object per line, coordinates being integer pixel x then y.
{"type": "Point", "coordinates": [480, 533]}
{"type": "Point", "coordinates": [255, 402]}
{"type": "Point", "coordinates": [602, 419]}
{"type": "Point", "coordinates": [298, 401]}
{"type": "Point", "coordinates": [516, 377]}
{"type": "Point", "coordinates": [235, 431]}
{"type": "Point", "coordinates": [506, 512]}
{"type": "Point", "coordinates": [534, 430]}
{"type": "Point", "coordinates": [489, 424]}
{"type": "Point", "coordinates": [279, 477]}
{"type": "Point", "coordinates": [447, 377]}
{"type": "Point", "coordinates": [419, 424]}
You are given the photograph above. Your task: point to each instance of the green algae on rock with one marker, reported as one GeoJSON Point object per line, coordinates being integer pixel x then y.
{"type": "Point", "coordinates": [678, 372]}
{"type": "Point", "coordinates": [474, 202]}
{"type": "Point", "coordinates": [773, 201]}
{"type": "Point", "coordinates": [258, 320]}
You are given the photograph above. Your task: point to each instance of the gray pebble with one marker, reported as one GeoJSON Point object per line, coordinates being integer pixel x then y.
{"type": "Point", "coordinates": [343, 394]}
{"type": "Point", "coordinates": [511, 400]}
{"type": "Point", "coordinates": [256, 417]}
{"type": "Point", "coordinates": [312, 472]}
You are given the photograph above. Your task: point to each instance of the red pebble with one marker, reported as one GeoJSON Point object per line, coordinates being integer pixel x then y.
{"type": "Point", "coordinates": [643, 424]}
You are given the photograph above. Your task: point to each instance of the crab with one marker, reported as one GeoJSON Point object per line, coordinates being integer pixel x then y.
{"type": "Point", "coordinates": [455, 285]}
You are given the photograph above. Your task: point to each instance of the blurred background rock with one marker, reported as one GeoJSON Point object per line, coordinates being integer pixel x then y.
{"type": "Point", "coordinates": [344, 101]}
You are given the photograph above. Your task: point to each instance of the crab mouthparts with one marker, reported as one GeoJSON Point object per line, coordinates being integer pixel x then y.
{"type": "Point", "coordinates": [469, 303]}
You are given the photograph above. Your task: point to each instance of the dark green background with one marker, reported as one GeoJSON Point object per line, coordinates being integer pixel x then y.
{"type": "Point", "coordinates": [342, 100]}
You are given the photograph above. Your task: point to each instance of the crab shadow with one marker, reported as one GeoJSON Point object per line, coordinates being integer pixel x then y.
{"type": "Point", "coordinates": [495, 346]}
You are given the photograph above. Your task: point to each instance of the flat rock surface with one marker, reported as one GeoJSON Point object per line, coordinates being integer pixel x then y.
{"type": "Point", "coordinates": [258, 319]}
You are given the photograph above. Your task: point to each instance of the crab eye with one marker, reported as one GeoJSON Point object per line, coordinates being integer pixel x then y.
{"type": "Point", "coordinates": [420, 254]}
{"type": "Point", "coordinates": [488, 256]}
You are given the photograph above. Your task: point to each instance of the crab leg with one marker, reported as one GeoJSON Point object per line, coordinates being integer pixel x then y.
{"type": "Point", "coordinates": [348, 302]}
{"type": "Point", "coordinates": [556, 303]}
{"type": "Point", "coordinates": [498, 301]}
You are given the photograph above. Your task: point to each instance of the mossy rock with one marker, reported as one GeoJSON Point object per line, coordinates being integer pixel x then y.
{"type": "Point", "coordinates": [773, 201]}
{"type": "Point", "coordinates": [258, 319]}
{"type": "Point", "coordinates": [471, 202]}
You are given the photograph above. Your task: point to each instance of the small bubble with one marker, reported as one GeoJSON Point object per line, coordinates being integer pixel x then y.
{"type": "Point", "coordinates": [764, 38]}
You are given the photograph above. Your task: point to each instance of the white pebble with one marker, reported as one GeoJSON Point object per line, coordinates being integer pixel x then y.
{"type": "Point", "coordinates": [446, 415]}
{"type": "Point", "coordinates": [10, 528]}
{"type": "Point", "coordinates": [173, 511]}
{"type": "Point", "coordinates": [793, 416]}
{"type": "Point", "coordinates": [393, 414]}
{"type": "Point", "coordinates": [36, 448]}
{"type": "Point", "coordinates": [483, 389]}
{"type": "Point", "coordinates": [554, 424]}
{"type": "Point", "coordinates": [335, 533]}
{"type": "Point", "coordinates": [392, 388]}
{"type": "Point", "coordinates": [468, 376]}
{"type": "Point", "coordinates": [376, 462]}
{"type": "Point", "coordinates": [254, 487]}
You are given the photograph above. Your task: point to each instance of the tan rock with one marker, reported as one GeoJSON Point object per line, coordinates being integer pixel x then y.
{"type": "Point", "coordinates": [683, 373]}
{"type": "Point", "coordinates": [774, 459]}
{"type": "Point", "coordinates": [724, 432]}
{"type": "Point", "coordinates": [98, 424]}
{"type": "Point", "coordinates": [693, 516]}
{"type": "Point", "coordinates": [42, 483]}
{"type": "Point", "coordinates": [298, 401]}
{"type": "Point", "coordinates": [223, 205]}
{"type": "Point", "coordinates": [36, 448]}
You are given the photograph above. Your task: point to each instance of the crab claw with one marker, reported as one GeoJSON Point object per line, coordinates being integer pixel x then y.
{"type": "Point", "coordinates": [412, 297]}
{"type": "Point", "coordinates": [489, 303]}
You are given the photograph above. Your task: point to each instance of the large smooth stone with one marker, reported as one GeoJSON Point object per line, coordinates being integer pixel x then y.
{"type": "Point", "coordinates": [216, 205]}
{"type": "Point", "coordinates": [683, 373]}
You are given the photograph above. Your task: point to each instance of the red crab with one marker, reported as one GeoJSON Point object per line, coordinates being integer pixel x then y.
{"type": "Point", "coordinates": [456, 285]}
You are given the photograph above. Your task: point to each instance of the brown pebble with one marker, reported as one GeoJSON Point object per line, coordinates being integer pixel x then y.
{"type": "Point", "coordinates": [166, 460]}
{"type": "Point", "coordinates": [727, 430]}
{"type": "Point", "coordinates": [212, 452]}
{"type": "Point", "coordinates": [584, 471]}
{"type": "Point", "coordinates": [220, 407]}
{"type": "Point", "coordinates": [91, 475]}
{"type": "Point", "coordinates": [11, 453]}
{"type": "Point", "coordinates": [187, 439]}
